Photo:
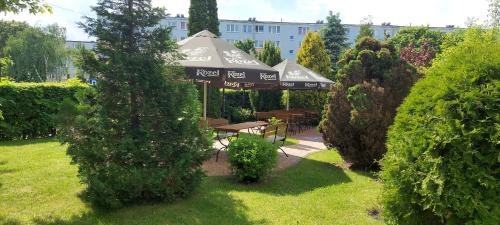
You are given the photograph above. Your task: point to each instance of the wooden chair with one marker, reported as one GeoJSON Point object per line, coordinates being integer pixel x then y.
{"type": "Point", "coordinates": [276, 133]}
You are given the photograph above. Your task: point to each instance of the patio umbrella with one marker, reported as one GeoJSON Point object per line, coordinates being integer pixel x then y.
{"type": "Point", "coordinates": [215, 62]}
{"type": "Point", "coordinates": [297, 77]}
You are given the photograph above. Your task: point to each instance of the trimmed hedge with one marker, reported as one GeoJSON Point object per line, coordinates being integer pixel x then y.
{"type": "Point", "coordinates": [442, 163]}
{"type": "Point", "coordinates": [29, 109]}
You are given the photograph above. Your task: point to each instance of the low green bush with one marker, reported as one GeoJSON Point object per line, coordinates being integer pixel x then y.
{"type": "Point", "coordinates": [442, 162]}
{"type": "Point", "coordinates": [238, 115]}
{"type": "Point", "coordinates": [252, 158]}
{"type": "Point", "coordinates": [29, 109]}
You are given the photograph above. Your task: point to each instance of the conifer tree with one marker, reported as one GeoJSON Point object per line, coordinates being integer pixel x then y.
{"type": "Point", "coordinates": [203, 16]}
{"type": "Point", "coordinates": [266, 100]}
{"type": "Point", "coordinates": [312, 54]}
{"type": "Point", "coordinates": [138, 139]}
{"type": "Point", "coordinates": [334, 36]}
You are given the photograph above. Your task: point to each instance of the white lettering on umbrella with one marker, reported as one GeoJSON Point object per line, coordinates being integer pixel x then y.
{"type": "Point", "coordinates": [311, 85]}
{"type": "Point", "coordinates": [207, 73]}
{"type": "Point", "coordinates": [232, 84]}
{"type": "Point", "coordinates": [287, 84]}
{"type": "Point", "coordinates": [196, 54]}
{"type": "Point", "coordinates": [295, 74]}
{"type": "Point", "coordinates": [266, 76]}
{"type": "Point", "coordinates": [236, 57]}
{"type": "Point", "coordinates": [236, 75]}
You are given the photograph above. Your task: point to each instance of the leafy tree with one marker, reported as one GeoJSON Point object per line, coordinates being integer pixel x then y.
{"type": "Point", "coordinates": [494, 13]}
{"type": "Point", "coordinates": [203, 15]}
{"type": "Point", "coordinates": [441, 165]}
{"type": "Point", "coordinates": [335, 39]}
{"type": "Point", "coordinates": [84, 71]}
{"type": "Point", "coordinates": [418, 45]}
{"type": "Point", "coordinates": [371, 83]}
{"type": "Point", "coordinates": [313, 55]}
{"type": "Point", "coordinates": [10, 29]}
{"type": "Point", "coordinates": [136, 138]}
{"type": "Point", "coordinates": [247, 46]}
{"type": "Point", "coordinates": [4, 63]}
{"type": "Point", "coordinates": [266, 100]}
{"type": "Point", "coordinates": [453, 38]}
{"type": "Point", "coordinates": [38, 54]}
{"type": "Point", "coordinates": [16, 6]}
{"type": "Point", "coordinates": [365, 30]}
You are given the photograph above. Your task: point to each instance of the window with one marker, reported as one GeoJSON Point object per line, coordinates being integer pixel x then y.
{"type": "Point", "coordinates": [183, 25]}
{"type": "Point", "coordinates": [274, 29]}
{"type": "Point", "coordinates": [259, 28]}
{"type": "Point", "coordinates": [291, 37]}
{"type": "Point", "coordinates": [232, 28]}
{"type": "Point", "coordinates": [247, 28]}
{"type": "Point", "coordinates": [259, 44]}
{"type": "Point", "coordinates": [303, 30]}
{"type": "Point", "coordinates": [291, 51]}
{"type": "Point", "coordinates": [231, 41]}
{"type": "Point", "coordinates": [277, 43]}
{"type": "Point", "coordinates": [172, 24]}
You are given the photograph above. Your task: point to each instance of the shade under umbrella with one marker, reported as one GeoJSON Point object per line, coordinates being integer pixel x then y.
{"type": "Point", "coordinates": [217, 63]}
{"type": "Point", "coordinates": [294, 76]}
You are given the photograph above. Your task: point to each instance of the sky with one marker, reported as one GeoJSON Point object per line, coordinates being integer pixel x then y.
{"type": "Point", "coordinates": [398, 12]}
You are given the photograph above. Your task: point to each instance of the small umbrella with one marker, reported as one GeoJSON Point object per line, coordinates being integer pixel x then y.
{"type": "Point", "coordinates": [214, 61]}
{"type": "Point", "coordinates": [297, 77]}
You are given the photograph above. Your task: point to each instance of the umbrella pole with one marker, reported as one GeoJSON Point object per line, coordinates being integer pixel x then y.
{"type": "Point", "coordinates": [223, 102]}
{"type": "Point", "coordinates": [287, 99]}
{"type": "Point", "coordinates": [205, 100]}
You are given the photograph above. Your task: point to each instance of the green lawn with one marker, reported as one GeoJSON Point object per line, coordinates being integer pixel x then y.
{"type": "Point", "coordinates": [39, 186]}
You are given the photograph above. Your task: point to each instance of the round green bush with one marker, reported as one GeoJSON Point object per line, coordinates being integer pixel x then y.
{"type": "Point", "coordinates": [442, 164]}
{"type": "Point", "coordinates": [252, 158]}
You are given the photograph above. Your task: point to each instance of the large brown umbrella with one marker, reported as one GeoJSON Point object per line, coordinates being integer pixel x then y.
{"type": "Point", "coordinates": [294, 76]}
{"type": "Point", "coordinates": [217, 63]}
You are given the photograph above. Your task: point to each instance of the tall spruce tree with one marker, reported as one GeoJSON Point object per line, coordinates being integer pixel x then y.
{"type": "Point", "coordinates": [334, 36]}
{"type": "Point", "coordinates": [138, 139]}
{"type": "Point", "coordinates": [266, 100]}
{"type": "Point", "coordinates": [203, 16]}
{"type": "Point", "coordinates": [313, 55]}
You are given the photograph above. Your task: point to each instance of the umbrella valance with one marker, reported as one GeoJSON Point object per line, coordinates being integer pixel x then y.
{"type": "Point", "coordinates": [209, 58]}
{"type": "Point", "coordinates": [296, 76]}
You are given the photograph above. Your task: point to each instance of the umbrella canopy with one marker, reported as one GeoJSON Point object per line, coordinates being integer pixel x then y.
{"type": "Point", "coordinates": [217, 63]}
{"type": "Point", "coordinates": [295, 76]}
{"type": "Point", "coordinates": [209, 58]}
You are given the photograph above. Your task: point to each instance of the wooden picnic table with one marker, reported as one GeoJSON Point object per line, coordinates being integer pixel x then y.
{"type": "Point", "coordinates": [233, 130]}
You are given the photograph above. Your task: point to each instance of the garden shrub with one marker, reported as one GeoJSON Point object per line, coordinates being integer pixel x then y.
{"type": "Point", "coordinates": [252, 157]}
{"type": "Point", "coordinates": [265, 100]}
{"type": "Point", "coordinates": [371, 83]}
{"type": "Point", "coordinates": [29, 109]}
{"type": "Point", "coordinates": [239, 115]}
{"type": "Point", "coordinates": [442, 163]}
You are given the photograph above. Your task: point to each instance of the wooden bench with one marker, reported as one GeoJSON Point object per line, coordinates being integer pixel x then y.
{"type": "Point", "coordinates": [276, 133]}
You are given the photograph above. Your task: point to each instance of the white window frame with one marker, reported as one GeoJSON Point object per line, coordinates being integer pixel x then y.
{"type": "Point", "coordinates": [172, 24]}
{"type": "Point", "coordinates": [274, 29]}
{"type": "Point", "coordinates": [259, 44]}
{"type": "Point", "coordinates": [304, 30]}
{"type": "Point", "coordinates": [232, 28]}
{"type": "Point", "coordinates": [259, 30]}
{"type": "Point", "coordinates": [185, 25]}
{"type": "Point", "coordinates": [247, 28]}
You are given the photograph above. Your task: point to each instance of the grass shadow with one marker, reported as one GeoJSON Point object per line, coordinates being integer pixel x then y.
{"type": "Point", "coordinates": [19, 143]}
{"type": "Point", "coordinates": [204, 207]}
{"type": "Point", "coordinates": [307, 175]}
{"type": "Point", "coordinates": [9, 221]}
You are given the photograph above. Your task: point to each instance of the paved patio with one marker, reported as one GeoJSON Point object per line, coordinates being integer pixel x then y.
{"type": "Point", "coordinates": [310, 141]}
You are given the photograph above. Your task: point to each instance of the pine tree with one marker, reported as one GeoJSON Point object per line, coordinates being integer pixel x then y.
{"type": "Point", "coordinates": [138, 138]}
{"type": "Point", "coordinates": [312, 54]}
{"type": "Point", "coordinates": [334, 36]}
{"type": "Point", "coordinates": [203, 16]}
{"type": "Point", "coordinates": [266, 100]}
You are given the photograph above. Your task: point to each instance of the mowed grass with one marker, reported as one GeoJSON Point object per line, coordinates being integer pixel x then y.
{"type": "Point", "coordinates": [39, 186]}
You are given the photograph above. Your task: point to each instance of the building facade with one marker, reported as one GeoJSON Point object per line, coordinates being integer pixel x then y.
{"type": "Point", "coordinates": [286, 35]}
